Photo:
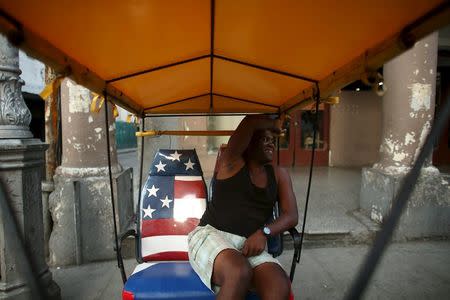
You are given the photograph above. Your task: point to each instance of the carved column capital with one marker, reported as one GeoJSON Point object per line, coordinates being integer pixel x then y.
{"type": "Point", "coordinates": [15, 116]}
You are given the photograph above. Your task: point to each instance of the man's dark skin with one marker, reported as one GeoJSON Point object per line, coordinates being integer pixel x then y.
{"type": "Point", "coordinates": [231, 270]}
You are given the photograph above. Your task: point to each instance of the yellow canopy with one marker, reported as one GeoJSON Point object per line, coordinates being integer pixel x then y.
{"type": "Point", "coordinates": [217, 56]}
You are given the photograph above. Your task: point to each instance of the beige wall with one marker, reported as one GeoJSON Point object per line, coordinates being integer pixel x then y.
{"type": "Point", "coordinates": [205, 145]}
{"type": "Point", "coordinates": [199, 143]}
{"type": "Point", "coordinates": [355, 129]}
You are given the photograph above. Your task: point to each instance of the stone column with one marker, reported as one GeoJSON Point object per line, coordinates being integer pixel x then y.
{"type": "Point", "coordinates": [408, 106]}
{"type": "Point", "coordinates": [80, 204]}
{"type": "Point", "coordinates": [21, 171]}
{"type": "Point", "coordinates": [408, 112]}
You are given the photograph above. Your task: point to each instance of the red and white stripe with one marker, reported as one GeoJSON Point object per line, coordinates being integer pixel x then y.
{"type": "Point", "coordinates": [166, 239]}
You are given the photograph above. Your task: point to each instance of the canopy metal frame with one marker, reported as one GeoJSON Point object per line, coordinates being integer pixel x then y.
{"type": "Point", "coordinates": [212, 56]}
{"type": "Point", "coordinates": [211, 95]}
{"type": "Point", "coordinates": [371, 59]}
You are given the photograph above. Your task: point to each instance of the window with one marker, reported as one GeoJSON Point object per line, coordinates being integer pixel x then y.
{"type": "Point", "coordinates": [284, 140]}
{"type": "Point", "coordinates": [307, 119]}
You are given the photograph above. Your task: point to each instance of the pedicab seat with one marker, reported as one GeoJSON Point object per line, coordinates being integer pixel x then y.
{"type": "Point", "coordinates": [171, 204]}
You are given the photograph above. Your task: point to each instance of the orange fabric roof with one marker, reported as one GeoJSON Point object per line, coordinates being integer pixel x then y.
{"type": "Point", "coordinates": [217, 56]}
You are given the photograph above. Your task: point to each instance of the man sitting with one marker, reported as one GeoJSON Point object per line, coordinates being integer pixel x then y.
{"type": "Point", "coordinates": [227, 249]}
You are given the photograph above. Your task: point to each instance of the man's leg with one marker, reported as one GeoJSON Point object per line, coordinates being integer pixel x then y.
{"type": "Point", "coordinates": [271, 282]}
{"type": "Point", "coordinates": [232, 273]}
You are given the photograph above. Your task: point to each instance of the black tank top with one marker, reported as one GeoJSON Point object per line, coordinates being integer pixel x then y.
{"type": "Point", "coordinates": [238, 206]}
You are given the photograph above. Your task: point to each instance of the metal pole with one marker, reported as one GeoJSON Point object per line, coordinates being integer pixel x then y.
{"type": "Point", "coordinates": [316, 119]}
{"type": "Point", "coordinates": [185, 133]}
{"type": "Point", "coordinates": [119, 259]}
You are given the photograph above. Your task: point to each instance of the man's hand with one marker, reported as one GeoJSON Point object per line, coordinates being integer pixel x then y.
{"type": "Point", "coordinates": [255, 244]}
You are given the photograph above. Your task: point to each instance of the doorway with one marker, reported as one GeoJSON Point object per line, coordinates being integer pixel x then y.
{"type": "Point", "coordinates": [296, 144]}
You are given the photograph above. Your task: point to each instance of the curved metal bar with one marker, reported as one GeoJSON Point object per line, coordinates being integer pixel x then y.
{"type": "Point", "coordinates": [158, 68]}
{"type": "Point", "coordinates": [297, 244]}
{"type": "Point", "coordinates": [317, 96]}
{"type": "Point", "coordinates": [117, 249]}
{"type": "Point", "coordinates": [265, 68]}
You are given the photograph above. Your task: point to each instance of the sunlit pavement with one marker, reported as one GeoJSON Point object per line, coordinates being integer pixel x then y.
{"type": "Point", "coordinates": [413, 270]}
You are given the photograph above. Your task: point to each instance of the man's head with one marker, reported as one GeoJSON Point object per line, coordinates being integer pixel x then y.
{"type": "Point", "coordinates": [261, 147]}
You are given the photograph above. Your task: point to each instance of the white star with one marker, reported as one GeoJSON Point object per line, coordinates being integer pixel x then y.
{"type": "Point", "coordinates": [160, 166]}
{"type": "Point", "coordinates": [148, 211]}
{"type": "Point", "coordinates": [175, 156]}
{"type": "Point", "coordinates": [166, 202]}
{"type": "Point", "coordinates": [152, 191]}
{"type": "Point", "coordinates": [189, 165]}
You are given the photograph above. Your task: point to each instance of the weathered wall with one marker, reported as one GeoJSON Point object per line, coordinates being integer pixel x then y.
{"type": "Point", "coordinates": [427, 211]}
{"type": "Point", "coordinates": [84, 137]}
{"type": "Point", "coordinates": [355, 129]}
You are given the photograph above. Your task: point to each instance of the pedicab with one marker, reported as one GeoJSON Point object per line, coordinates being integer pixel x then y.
{"type": "Point", "coordinates": [215, 58]}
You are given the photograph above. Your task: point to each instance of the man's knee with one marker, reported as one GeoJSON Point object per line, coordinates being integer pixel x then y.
{"type": "Point", "coordinates": [240, 271]}
{"type": "Point", "coordinates": [231, 267]}
{"type": "Point", "coordinates": [284, 287]}
{"type": "Point", "coordinates": [278, 288]}
{"type": "Point", "coordinates": [272, 282]}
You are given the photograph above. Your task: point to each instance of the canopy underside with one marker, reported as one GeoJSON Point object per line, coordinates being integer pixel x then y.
{"type": "Point", "coordinates": [211, 57]}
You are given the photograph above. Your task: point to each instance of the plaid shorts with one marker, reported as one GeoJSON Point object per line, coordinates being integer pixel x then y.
{"type": "Point", "coordinates": [206, 242]}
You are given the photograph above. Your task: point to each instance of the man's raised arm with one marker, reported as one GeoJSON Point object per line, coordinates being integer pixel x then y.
{"type": "Point", "coordinates": [241, 137]}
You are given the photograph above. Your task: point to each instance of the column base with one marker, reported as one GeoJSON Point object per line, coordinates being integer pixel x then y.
{"type": "Point", "coordinates": [21, 169]}
{"type": "Point", "coordinates": [427, 213]}
{"type": "Point", "coordinates": [15, 132]}
{"type": "Point", "coordinates": [82, 215]}
{"type": "Point", "coordinates": [20, 291]}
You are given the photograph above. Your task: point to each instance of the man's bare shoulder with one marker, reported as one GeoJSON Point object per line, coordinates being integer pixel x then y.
{"type": "Point", "coordinates": [281, 173]}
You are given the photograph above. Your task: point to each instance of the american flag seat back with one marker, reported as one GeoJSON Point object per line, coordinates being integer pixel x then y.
{"type": "Point", "coordinates": [172, 202]}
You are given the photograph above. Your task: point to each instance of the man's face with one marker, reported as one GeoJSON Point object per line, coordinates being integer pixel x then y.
{"type": "Point", "coordinates": [263, 146]}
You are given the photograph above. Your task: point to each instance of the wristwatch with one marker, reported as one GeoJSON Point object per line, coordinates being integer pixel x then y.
{"type": "Point", "coordinates": [266, 231]}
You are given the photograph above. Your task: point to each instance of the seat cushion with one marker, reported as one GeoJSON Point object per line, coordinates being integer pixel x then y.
{"type": "Point", "coordinates": [168, 280]}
